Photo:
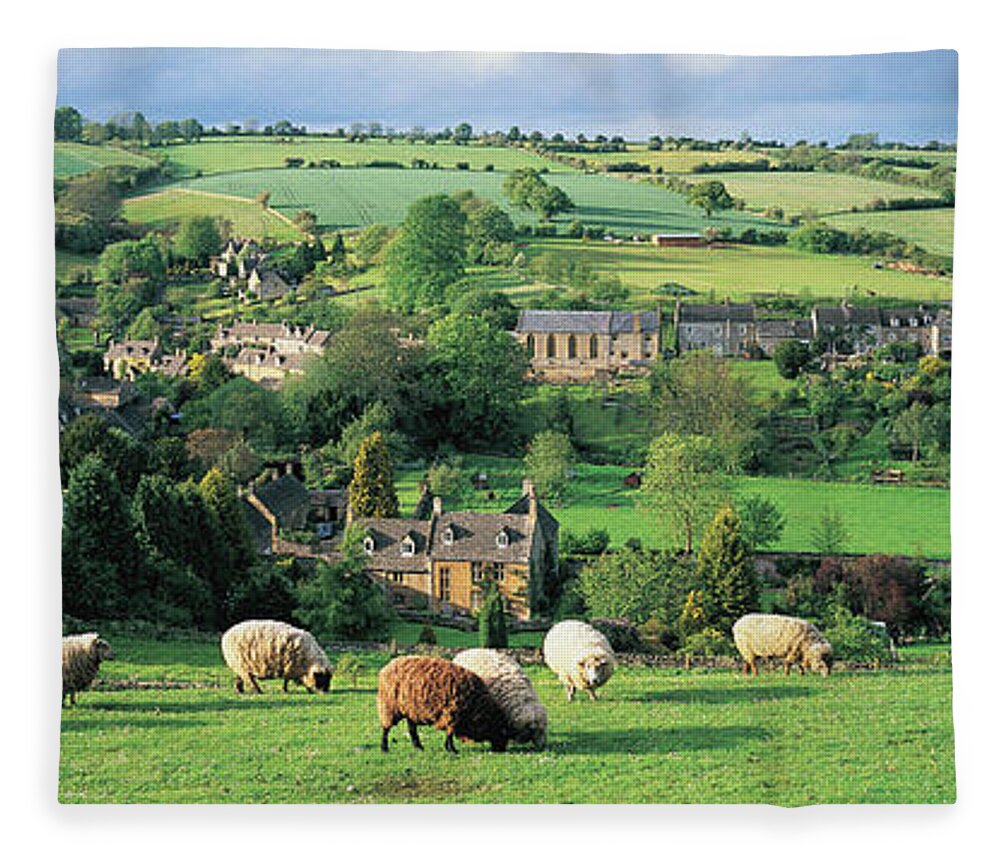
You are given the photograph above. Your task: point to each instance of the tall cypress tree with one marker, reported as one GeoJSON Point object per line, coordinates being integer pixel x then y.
{"type": "Point", "coordinates": [373, 489]}
{"type": "Point", "coordinates": [726, 571]}
{"type": "Point", "coordinates": [492, 621]}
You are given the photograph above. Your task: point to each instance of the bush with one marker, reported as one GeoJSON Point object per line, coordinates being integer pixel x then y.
{"type": "Point", "coordinates": [857, 639]}
{"type": "Point", "coordinates": [593, 542]}
{"type": "Point", "coordinates": [623, 635]}
{"type": "Point", "coordinates": [427, 636]}
{"type": "Point", "coordinates": [708, 643]}
{"type": "Point", "coordinates": [266, 591]}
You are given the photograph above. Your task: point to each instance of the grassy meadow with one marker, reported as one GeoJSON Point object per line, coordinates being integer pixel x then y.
{"type": "Point", "coordinates": [355, 198]}
{"type": "Point", "coordinates": [742, 273]}
{"type": "Point", "coordinates": [167, 209]}
{"type": "Point", "coordinates": [72, 159]}
{"type": "Point", "coordinates": [932, 229]}
{"type": "Point", "coordinates": [164, 725]}
{"type": "Point", "coordinates": [229, 156]}
{"type": "Point", "coordinates": [824, 193]}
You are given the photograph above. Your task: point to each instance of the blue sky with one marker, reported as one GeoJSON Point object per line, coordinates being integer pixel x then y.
{"type": "Point", "coordinates": [902, 96]}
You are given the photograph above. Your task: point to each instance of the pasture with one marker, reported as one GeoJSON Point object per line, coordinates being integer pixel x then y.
{"type": "Point", "coordinates": [166, 209]}
{"type": "Point", "coordinates": [228, 156]}
{"type": "Point", "coordinates": [742, 273]}
{"type": "Point", "coordinates": [824, 193]}
{"type": "Point", "coordinates": [165, 726]}
{"type": "Point", "coordinates": [351, 198]}
{"type": "Point", "coordinates": [901, 519]}
{"type": "Point", "coordinates": [931, 229]}
{"type": "Point", "coordinates": [71, 159]}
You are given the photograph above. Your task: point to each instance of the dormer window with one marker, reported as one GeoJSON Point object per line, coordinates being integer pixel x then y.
{"type": "Point", "coordinates": [894, 321]}
{"type": "Point", "coordinates": [448, 536]}
{"type": "Point", "coordinates": [503, 539]}
{"type": "Point", "coordinates": [914, 322]}
{"type": "Point", "coordinates": [408, 547]}
{"type": "Point", "coordinates": [369, 544]}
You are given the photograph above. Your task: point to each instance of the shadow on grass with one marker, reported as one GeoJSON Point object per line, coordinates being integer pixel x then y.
{"type": "Point", "coordinates": [85, 725]}
{"type": "Point", "coordinates": [657, 740]}
{"type": "Point", "coordinates": [750, 694]}
{"type": "Point", "coordinates": [245, 703]}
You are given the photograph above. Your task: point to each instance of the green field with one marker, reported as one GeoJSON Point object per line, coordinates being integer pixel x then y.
{"type": "Point", "coordinates": [822, 192]}
{"type": "Point", "coordinates": [228, 155]}
{"type": "Point", "coordinates": [741, 272]}
{"type": "Point", "coordinates": [904, 520]}
{"type": "Point", "coordinates": [931, 229]}
{"type": "Point", "coordinates": [655, 736]}
{"type": "Point", "coordinates": [355, 198]}
{"type": "Point", "coordinates": [166, 209]}
{"type": "Point", "coordinates": [74, 158]}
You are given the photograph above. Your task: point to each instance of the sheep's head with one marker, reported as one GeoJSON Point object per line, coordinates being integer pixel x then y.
{"type": "Point", "coordinates": [819, 658]}
{"type": "Point", "coordinates": [102, 649]}
{"type": "Point", "coordinates": [319, 679]}
{"type": "Point", "coordinates": [596, 669]}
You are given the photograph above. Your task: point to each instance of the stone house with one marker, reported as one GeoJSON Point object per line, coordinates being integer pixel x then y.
{"type": "Point", "coordinates": [726, 329]}
{"type": "Point", "coordinates": [265, 285]}
{"type": "Point", "coordinates": [772, 333]}
{"type": "Point", "coordinates": [131, 358]}
{"type": "Point", "coordinates": [847, 329]}
{"type": "Point", "coordinates": [908, 325]}
{"type": "Point", "coordinates": [582, 346]}
{"type": "Point", "coordinates": [444, 563]}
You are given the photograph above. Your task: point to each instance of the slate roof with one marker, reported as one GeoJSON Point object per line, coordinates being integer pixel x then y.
{"type": "Point", "coordinates": [586, 322]}
{"type": "Point", "coordinates": [785, 328]}
{"type": "Point", "coordinates": [726, 312]}
{"type": "Point", "coordinates": [388, 535]}
{"type": "Point", "coordinates": [905, 315]}
{"type": "Point", "coordinates": [847, 315]}
{"type": "Point", "coordinates": [284, 497]}
{"type": "Point", "coordinates": [475, 538]}
{"type": "Point", "coordinates": [260, 528]}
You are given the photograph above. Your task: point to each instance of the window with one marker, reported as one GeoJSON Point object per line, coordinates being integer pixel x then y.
{"type": "Point", "coordinates": [550, 346]}
{"type": "Point", "coordinates": [448, 536]}
{"type": "Point", "coordinates": [593, 346]}
{"type": "Point", "coordinates": [531, 346]}
{"type": "Point", "coordinates": [572, 346]}
{"type": "Point", "coordinates": [369, 544]}
{"type": "Point", "coordinates": [503, 539]}
{"type": "Point", "coordinates": [444, 584]}
{"type": "Point", "coordinates": [395, 577]}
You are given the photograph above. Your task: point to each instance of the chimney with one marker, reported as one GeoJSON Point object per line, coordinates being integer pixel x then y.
{"type": "Point", "coordinates": [528, 489]}
{"type": "Point", "coordinates": [437, 506]}
{"type": "Point", "coordinates": [636, 322]}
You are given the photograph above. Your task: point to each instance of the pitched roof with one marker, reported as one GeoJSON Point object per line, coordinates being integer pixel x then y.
{"type": "Point", "coordinates": [586, 322]}
{"type": "Point", "coordinates": [726, 312]}
{"type": "Point", "coordinates": [549, 524]}
{"type": "Point", "coordinates": [847, 315]}
{"type": "Point", "coordinates": [785, 328]}
{"type": "Point", "coordinates": [475, 537]}
{"type": "Point", "coordinates": [284, 497]}
{"type": "Point", "coordinates": [388, 535]}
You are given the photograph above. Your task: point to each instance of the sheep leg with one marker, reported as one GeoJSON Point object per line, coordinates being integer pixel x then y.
{"type": "Point", "coordinates": [385, 739]}
{"type": "Point", "coordinates": [753, 665]}
{"type": "Point", "coordinates": [788, 668]}
{"type": "Point", "coordinates": [256, 686]}
{"type": "Point", "coordinates": [592, 694]}
{"type": "Point", "coordinates": [239, 685]}
{"type": "Point", "coordinates": [414, 737]}
{"type": "Point", "coordinates": [284, 685]}
{"type": "Point", "coordinates": [449, 743]}
{"type": "Point", "coordinates": [570, 692]}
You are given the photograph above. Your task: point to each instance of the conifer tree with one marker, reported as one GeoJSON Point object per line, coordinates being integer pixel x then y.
{"type": "Point", "coordinates": [492, 621]}
{"type": "Point", "coordinates": [373, 490]}
{"type": "Point", "coordinates": [726, 571]}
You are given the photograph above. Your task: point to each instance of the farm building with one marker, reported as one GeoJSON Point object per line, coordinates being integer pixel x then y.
{"type": "Point", "coordinates": [444, 563]}
{"type": "Point", "coordinates": [581, 346]}
{"type": "Point", "coordinates": [678, 240]}
{"type": "Point", "coordinates": [726, 329]}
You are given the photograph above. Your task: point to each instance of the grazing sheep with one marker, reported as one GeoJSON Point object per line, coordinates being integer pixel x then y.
{"type": "Point", "coordinates": [510, 687]}
{"type": "Point", "coordinates": [256, 650]}
{"type": "Point", "coordinates": [795, 641]}
{"type": "Point", "coordinates": [81, 658]}
{"type": "Point", "coordinates": [581, 656]}
{"type": "Point", "coordinates": [431, 691]}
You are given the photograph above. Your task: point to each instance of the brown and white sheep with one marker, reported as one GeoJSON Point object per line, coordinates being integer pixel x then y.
{"type": "Point", "coordinates": [581, 656]}
{"type": "Point", "coordinates": [431, 691]}
{"type": "Point", "coordinates": [256, 650]}
{"type": "Point", "coordinates": [81, 660]}
{"type": "Point", "coordinates": [512, 690]}
{"type": "Point", "coordinates": [794, 640]}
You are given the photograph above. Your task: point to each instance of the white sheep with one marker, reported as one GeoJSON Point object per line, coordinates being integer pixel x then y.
{"type": "Point", "coordinates": [256, 650]}
{"type": "Point", "coordinates": [512, 690]}
{"type": "Point", "coordinates": [794, 640]}
{"type": "Point", "coordinates": [81, 659]}
{"type": "Point", "coordinates": [581, 656]}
